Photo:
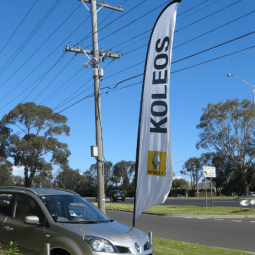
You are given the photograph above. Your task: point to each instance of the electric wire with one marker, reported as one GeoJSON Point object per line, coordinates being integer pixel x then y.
{"type": "Point", "coordinates": [208, 16]}
{"type": "Point", "coordinates": [50, 54]}
{"type": "Point", "coordinates": [188, 40]}
{"type": "Point", "coordinates": [114, 88]}
{"type": "Point", "coordinates": [38, 80]}
{"type": "Point", "coordinates": [214, 47]}
{"type": "Point", "coordinates": [232, 53]}
{"type": "Point", "coordinates": [124, 70]}
{"type": "Point", "coordinates": [178, 60]}
{"type": "Point", "coordinates": [121, 16]}
{"type": "Point", "coordinates": [55, 77]}
{"type": "Point", "coordinates": [203, 35]}
{"type": "Point", "coordinates": [176, 30]}
{"type": "Point", "coordinates": [62, 86]}
{"type": "Point", "coordinates": [87, 36]}
{"type": "Point", "coordinates": [38, 48]}
{"type": "Point", "coordinates": [131, 23]}
{"type": "Point", "coordinates": [134, 43]}
{"type": "Point", "coordinates": [197, 11]}
{"type": "Point", "coordinates": [28, 38]}
{"type": "Point", "coordinates": [215, 29]}
{"type": "Point", "coordinates": [65, 102]}
{"type": "Point", "coordinates": [193, 55]}
{"type": "Point", "coordinates": [18, 26]}
{"type": "Point", "coordinates": [61, 58]}
{"type": "Point", "coordinates": [192, 8]}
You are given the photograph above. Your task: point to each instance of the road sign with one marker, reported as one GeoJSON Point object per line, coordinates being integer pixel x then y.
{"type": "Point", "coordinates": [252, 202]}
{"type": "Point", "coordinates": [244, 203]}
{"type": "Point", "coordinates": [209, 171]}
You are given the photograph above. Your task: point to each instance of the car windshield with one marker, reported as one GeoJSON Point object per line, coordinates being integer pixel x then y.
{"type": "Point", "coordinates": [117, 192]}
{"type": "Point", "coordinates": [72, 209]}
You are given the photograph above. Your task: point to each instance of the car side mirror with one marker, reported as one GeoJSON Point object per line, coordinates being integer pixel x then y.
{"type": "Point", "coordinates": [32, 220]}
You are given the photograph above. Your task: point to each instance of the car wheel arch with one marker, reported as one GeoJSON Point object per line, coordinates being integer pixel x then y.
{"type": "Point", "coordinates": [59, 251]}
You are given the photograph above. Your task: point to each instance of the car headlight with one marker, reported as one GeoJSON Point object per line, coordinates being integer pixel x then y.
{"type": "Point", "coordinates": [99, 244]}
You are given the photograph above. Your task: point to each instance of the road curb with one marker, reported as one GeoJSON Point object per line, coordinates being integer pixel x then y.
{"type": "Point", "coordinates": [192, 215]}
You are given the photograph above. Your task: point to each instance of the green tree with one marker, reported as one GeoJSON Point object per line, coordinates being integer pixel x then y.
{"type": "Point", "coordinates": [44, 178]}
{"type": "Point", "coordinates": [193, 168]}
{"type": "Point", "coordinates": [5, 172]}
{"type": "Point", "coordinates": [17, 180]}
{"type": "Point", "coordinates": [229, 130]}
{"type": "Point", "coordinates": [36, 139]}
{"type": "Point", "coordinates": [180, 184]}
{"type": "Point", "coordinates": [122, 173]}
{"type": "Point", "coordinates": [69, 179]}
{"type": "Point", "coordinates": [108, 170]}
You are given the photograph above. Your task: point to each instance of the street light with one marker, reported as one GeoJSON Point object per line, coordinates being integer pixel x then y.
{"type": "Point", "coordinates": [251, 87]}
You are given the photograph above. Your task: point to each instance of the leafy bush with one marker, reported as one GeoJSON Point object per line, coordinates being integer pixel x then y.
{"type": "Point", "coordinates": [12, 248]}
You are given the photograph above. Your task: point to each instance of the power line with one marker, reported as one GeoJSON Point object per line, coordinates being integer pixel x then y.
{"type": "Point", "coordinates": [55, 77]}
{"type": "Point", "coordinates": [41, 77]}
{"type": "Point", "coordinates": [124, 70]}
{"type": "Point", "coordinates": [191, 8]}
{"type": "Point", "coordinates": [39, 47]}
{"type": "Point", "coordinates": [175, 61]}
{"type": "Point", "coordinates": [198, 10]}
{"type": "Point", "coordinates": [87, 36]}
{"type": "Point", "coordinates": [63, 88]}
{"type": "Point", "coordinates": [29, 37]}
{"type": "Point", "coordinates": [232, 53]}
{"type": "Point", "coordinates": [61, 58]}
{"type": "Point", "coordinates": [213, 29]}
{"type": "Point", "coordinates": [131, 22]}
{"type": "Point", "coordinates": [47, 58]}
{"type": "Point", "coordinates": [219, 45]}
{"type": "Point", "coordinates": [192, 38]}
{"type": "Point", "coordinates": [19, 26]}
{"type": "Point", "coordinates": [114, 88]}
{"type": "Point", "coordinates": [207, 16]}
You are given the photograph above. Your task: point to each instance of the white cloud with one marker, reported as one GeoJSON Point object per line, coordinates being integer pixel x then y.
{"type": "Point", "coordinates": [18, 171]}
{"type": "Point", "coordinates": [177, 177]}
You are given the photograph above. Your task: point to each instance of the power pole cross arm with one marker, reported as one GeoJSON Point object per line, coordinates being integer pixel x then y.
{"type": "Point", "coordinates": [101, 54]}
{"type": "Point", "coordinates": [105, 5]}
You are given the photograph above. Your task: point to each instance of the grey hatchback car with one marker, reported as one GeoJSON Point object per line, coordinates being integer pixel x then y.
{"type": "Point", "coordinates": [71, 225]}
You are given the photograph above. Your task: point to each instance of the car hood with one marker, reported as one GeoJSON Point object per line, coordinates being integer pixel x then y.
{"type": "Point", "coordinates": [112, 230]}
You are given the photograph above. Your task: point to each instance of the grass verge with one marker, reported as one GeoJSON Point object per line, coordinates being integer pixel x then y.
{"type": "Point", "coordinates": [166, 247]}
{"type": "Point", "coordinates": [172, 209]}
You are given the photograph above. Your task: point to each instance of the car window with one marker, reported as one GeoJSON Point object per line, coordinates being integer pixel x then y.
{"type": "Point", "coordinates": [26, 206]}
{"type": "Point", "coordinates": [72, 209]}
{"type": "Point", "coordinates": [5, 204]}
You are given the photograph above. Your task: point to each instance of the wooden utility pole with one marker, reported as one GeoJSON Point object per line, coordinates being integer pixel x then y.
{"type": "Point", "coordinates": [97, 74]}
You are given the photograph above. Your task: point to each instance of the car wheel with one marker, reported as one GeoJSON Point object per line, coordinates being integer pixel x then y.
{"type": "Point", "coordinates": [114, 200]}
{"type": "Point", "coordinates": [110, 199]}
{"type": "Point", "coordinates": [123, 199]}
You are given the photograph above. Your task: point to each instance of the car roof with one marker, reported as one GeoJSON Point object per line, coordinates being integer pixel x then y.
{"type": "Point", "coordinates": [37, 191]}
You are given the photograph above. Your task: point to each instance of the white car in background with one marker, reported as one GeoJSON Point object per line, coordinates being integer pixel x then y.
{"type": "Point", "coordinates": [252, 194]}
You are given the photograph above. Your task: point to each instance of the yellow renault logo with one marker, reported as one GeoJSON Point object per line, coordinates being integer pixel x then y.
{"type": "Point", "coordinates": [156, 164]}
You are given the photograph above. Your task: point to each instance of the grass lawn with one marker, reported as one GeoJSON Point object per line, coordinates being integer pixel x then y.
{"type": "Point", "coordinates": [172, 209]}
{"type": "Point", "coordinates": [166, 247]}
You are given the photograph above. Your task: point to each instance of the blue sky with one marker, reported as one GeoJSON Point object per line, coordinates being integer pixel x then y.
{"type": "Point", "coordinates": [190, 90]}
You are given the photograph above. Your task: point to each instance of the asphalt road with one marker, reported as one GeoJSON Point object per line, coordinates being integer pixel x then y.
{"type": "Point", "coordinates": [235, 202]}
{"type": "Point", "coordinates": [237, 234]}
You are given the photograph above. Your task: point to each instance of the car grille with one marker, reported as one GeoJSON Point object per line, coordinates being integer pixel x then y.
{"type": "Point", "coordinates": [123, 249]}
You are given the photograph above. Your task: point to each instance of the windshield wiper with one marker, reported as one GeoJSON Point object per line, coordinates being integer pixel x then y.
{"type": "Point", "coordinates": [86, 222]}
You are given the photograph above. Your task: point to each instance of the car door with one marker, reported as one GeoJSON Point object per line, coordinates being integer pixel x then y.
{"type": "Point", "coordinates": [29, 238]}
{"type": "Point", "coordinates": [6, 202]}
